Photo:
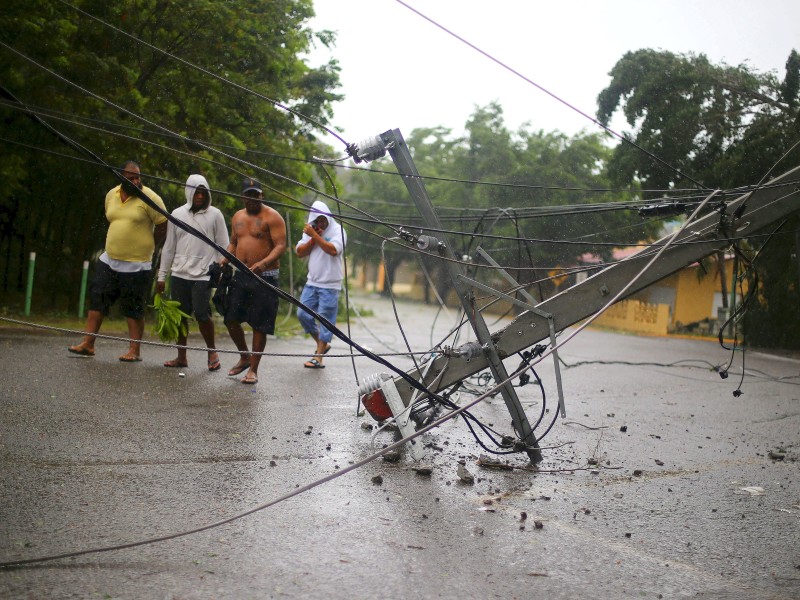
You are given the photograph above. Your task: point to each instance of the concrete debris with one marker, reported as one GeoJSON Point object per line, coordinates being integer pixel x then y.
{"type": "Point", "coordinates": [423, 469]}
{"type": "Point", "coordinates": [367, 426]}
{"type": "Point", "coordinates": [538, 524]}
{"type": "Point", "coordinates": [392, 456]}
{"type": "Point", "coordinates": [493, 463]}
{"type": "Point", "coordinates": [660, 463]}
{"type": "Point", "coordinates": [377, 480]}
{"type": "Point", "coordinates": [777, 454]}
{"type": "Point", "coordinates": [592, 460]}
{"type": "Point", "coordinates": [465, 475]}
{"type": "Point", "coordinates": [753, 490]}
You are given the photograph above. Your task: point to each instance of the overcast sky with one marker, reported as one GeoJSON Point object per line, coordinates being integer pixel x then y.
{"type": "Point", "coordinates": [401, 71]}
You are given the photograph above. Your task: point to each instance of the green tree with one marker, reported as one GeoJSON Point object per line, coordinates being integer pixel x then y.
{"type": "Point", "coordinates": [53, 204]}
{"type": "Point", "coordinates": [724, 127]}
{"type": "Point", "coordinates": [539, 166]}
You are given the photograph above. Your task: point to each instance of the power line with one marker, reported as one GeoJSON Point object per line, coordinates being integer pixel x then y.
{"type": "Point", "coordinates": [207, 72]}
{"type": "Point", "coordinates": [554, 96]}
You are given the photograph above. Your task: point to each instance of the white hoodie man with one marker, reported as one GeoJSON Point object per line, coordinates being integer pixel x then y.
{"type": "Point", "coordinates": [187, 258]}
{"type": "Point", "coordinates": [323, 243]}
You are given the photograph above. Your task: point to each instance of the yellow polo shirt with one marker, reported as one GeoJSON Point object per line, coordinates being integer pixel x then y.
{"type": "Point", "coordinates": [131, 224]}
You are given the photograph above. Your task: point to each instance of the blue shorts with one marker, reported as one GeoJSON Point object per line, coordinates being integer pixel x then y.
{"type": "Point", "coordinates": [323, 301]}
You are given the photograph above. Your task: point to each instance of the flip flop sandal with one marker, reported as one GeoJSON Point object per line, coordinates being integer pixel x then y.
{"type": "Point", "coordinates": [214, 365]}
{"type": "Point", "coordinates": [313, 364]}
{"type": "Point", "coordinates": [80, 350]}
{"type": "Point", "coordinates": [174, 364]}
{"type": "Point", "coordinates": [238, 369]}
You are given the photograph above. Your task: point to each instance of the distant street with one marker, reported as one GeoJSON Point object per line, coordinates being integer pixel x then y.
{"type": "Point", "coordinates": [660, 483]}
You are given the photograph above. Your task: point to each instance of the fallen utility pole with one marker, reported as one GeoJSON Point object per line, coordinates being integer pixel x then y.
{"type": "Point", "coordinates": [741, 217]}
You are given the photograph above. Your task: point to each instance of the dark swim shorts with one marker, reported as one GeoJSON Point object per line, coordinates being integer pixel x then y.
{"type": "Point", "coordinates": [251, 302]}
{"type": "Point", "coordinates": [130, 289]}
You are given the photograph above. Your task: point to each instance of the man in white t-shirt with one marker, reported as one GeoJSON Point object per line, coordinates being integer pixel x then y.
{"type": "Point", "coordinates": [323, 243]}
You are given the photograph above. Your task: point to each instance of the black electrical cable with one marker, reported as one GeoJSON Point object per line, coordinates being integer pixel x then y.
{"type": "Point", "coordinates": [684, 194]}
{"type": "Point", "coordinates": [346, 282]}
{"type": "Point", "coordinates": [139, 117]}
{"type": "Point", "coordinates": [552, 95]}
{"type": "Point", "coordinates": [207, 72]}
{"type": "Point", "coordinates": [396, 226]}
{"type": "Point", "coordinates": [224, 251]}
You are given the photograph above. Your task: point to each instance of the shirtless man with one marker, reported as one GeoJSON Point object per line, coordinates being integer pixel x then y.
{"type": "Point", "coordinates": [258, 239]}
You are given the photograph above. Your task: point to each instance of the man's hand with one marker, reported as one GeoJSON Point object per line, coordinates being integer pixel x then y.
{"type": "Point", "coordinates": [310, 231]}
{"type": "Point", "coordinates": [160, 286]}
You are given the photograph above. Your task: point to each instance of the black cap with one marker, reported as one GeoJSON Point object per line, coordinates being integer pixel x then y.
{"type": "Point", "coordinates": [249, 185]}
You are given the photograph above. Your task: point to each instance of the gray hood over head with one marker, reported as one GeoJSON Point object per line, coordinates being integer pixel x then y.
{"type": "Point", "coordinates": [192, 183]}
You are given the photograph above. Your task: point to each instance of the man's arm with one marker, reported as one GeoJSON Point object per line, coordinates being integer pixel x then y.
{"type": "Point", "coordinates": [234, 240]}
{"type": "Point", "coordinates": [160, 233]}
{"type": "Point", "coordinates": [303, 249]}
{"type": "Point", "coordinates": [221, 237]}
{"type": "Point", "coordinates": [167, 256]}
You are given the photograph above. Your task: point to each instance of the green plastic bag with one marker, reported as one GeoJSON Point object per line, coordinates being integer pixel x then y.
{"type": "Point", "coordinates": [169, 319]}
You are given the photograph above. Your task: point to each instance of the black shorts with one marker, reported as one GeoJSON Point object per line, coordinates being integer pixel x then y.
{"type": "Point", "coordinates": [252, 302]}
{"type": "Point", "coordinates": [194, 296]}
{"type": "Point", "coordinates": [130, 289]}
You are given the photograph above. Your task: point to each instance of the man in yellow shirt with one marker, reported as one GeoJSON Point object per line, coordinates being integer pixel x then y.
{"type": "Point", "coordinates": [124, 270]}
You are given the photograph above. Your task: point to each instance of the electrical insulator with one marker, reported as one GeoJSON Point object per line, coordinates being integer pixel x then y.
{"type": "Point", "coordinates": [426, 242]}
{"type": "Point", "coordinates": [367, 150]}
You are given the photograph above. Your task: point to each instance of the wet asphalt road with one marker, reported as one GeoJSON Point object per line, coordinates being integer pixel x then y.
{"type": "Point", "coordinates": [96, 453]}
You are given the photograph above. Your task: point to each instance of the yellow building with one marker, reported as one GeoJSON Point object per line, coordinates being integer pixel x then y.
{"type": "Point", "coordinates": [686, 301]}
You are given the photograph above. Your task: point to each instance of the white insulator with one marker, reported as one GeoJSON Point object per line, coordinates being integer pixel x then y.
{"type": "Point", "coordinates": [372, 383]}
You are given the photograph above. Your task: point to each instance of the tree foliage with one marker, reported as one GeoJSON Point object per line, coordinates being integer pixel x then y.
{"type": "Point", "coordinates": [535, 171]}
{"type": "Point", "coordinates": [91, 81]}
{"type": "Point", "coordinates": [724, 127]}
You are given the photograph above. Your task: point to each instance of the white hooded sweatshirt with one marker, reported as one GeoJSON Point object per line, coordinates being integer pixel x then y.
{"type": "Point", "coordinates": [184, 254]}
{"type": "Point", "coordinates": [325, 271]}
